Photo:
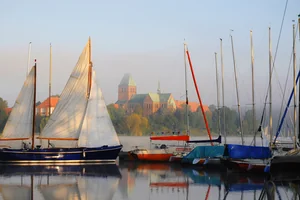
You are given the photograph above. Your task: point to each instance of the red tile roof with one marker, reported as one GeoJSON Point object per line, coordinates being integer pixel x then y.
{"type": "Point", "coordinates": [7, 110]}
{"type": "Point", "coordinates": [53, 102]}
{"type": "Point", "coordinates": [193, 105]}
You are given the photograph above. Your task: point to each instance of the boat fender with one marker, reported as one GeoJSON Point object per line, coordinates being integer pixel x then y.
{"type": "Point", "coordinates": [196, 160]}
{"type": "Point", "coordinates": [83, 153]}
{"type": "Point", "coordinates": [267, 168]}
{"type": "Point", "coordinates": [206, 161]}
{"type": "Point", "coordinates": [249, 167]}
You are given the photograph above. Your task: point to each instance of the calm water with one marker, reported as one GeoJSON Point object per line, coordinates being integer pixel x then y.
{"type": "Point", "coordinates": [133, 181]}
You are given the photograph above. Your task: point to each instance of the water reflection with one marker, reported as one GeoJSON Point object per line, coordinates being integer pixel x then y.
{"type": "Point", "coordinates": [132, 181]}
{"type": "Point", "coordinates": [168, 182]}
{"type": "Point", "coordinates": [59, 182]}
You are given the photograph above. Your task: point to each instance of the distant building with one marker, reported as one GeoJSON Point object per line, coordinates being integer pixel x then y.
{"type": "Point", "coordinates": [149, 102]}
{"type": "Point", "coordinates": [43, 108]}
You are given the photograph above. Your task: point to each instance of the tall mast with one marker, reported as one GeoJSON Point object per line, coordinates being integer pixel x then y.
{"type": "Point", "coordinates": [253, 99]}
{"type": "Point", "coordinates": [294, 83]}
{"type": "Point", "coordinates": [222, 69]}
{"type": "Point", "coordinates": [90, 68]}
{"type": "Point", "coordinates": [198, 94]}
{"type": "Point", "coordinates": [50, 78]}
{"type": "Point", "coordinates": [28, 59]}
{"type": "Point", "coordinates": [33, 107]}
{"type": "Point", "coordinates": [186, 92]}
{"type": "Point", "coordinates": [299, 86]}
{"type": "Point", "coordinates": [237, 92]}
{"type": "Point", "coordinates": [270, 87]}
{"type": "Point", "coordinates": [218, 100]}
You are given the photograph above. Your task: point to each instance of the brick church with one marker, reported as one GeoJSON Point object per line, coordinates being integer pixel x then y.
{"type": "Point", "coordinates": [149, 102]}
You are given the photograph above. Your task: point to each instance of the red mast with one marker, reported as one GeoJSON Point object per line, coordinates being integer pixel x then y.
{"type": "Point", "coordinates": [198, 94]}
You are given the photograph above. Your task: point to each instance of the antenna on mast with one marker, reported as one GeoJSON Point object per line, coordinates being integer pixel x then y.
{"type": "Point", "coordinates": [50, 79]}
{"type": "Point", "coordinates": [28, 60]}
{"type": "Point", "coordinates": [299, 25]}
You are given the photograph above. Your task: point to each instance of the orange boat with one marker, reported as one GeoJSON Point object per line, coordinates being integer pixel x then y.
{"type": "Point", "coordinates": [162, 153]}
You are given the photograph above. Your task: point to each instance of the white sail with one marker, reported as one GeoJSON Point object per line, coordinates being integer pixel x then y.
{"type": "Point", "coordinates": [97, 128]}
{"type": "Point", "coordinates": [67, 117]}
{"type": "Point", "coordinates": [19, 123]}
{"type": "Point", "coordinates": [97, 188]}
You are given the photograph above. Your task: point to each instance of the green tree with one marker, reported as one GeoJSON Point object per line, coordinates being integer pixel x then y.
{"type": "Point", "coordinates": [117, 116]}
{"type": "Point", "coordinates": [3, 115]}
{"type": "Point", "coordinates": [3, 119]}
{"type": "Point", "coordinates": [42, 124]}
{"type": "Point", "coordinates": [138, 109]}
{"type": "Point", "coordinates": [133, 122]}
{"type": "Point", "coordinates": [248, 123]}
{"type": "Point", "coordinates": [3, 104]}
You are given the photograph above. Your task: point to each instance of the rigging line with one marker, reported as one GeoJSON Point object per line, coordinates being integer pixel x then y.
{"type": "Point", "coordinates": [275, 56]}
{"type": "Point", "coordinates": [280, 118]}
{"type": "Point", "coordinates": [283, 100]}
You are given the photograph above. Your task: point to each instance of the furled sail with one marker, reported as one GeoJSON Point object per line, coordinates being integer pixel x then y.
{"type": "Point", "coordinates": [67, 117]}
{"type": "Point", "coordinates": [19, 123]}
{"type": "Point", "coordinates": [97, 128]}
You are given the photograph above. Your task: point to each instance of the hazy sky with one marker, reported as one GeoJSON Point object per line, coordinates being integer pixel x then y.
{"type": "Point", "coordinates": [145, 38]}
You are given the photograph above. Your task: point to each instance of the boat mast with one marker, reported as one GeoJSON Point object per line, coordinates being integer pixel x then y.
{"type": "Point", "coordinates": [222, 69]}
{"type": "Point", "coordinates": [253, 99]}
{"type": "Point", "coordinates": [186, 92]}
{"type": "Point", "coordinates": [237, 91]}
{"type": "Point", "coordinates": [270, 88]}
{"type": "Point", "coordinates": [299, 86]}
{"type": "Point", "coordinates": [33, 106]}
{"type": "Point", "coordinates": [294, 83]}
{"type": "Point", "coordinates": [198, 94]}
{"type": "Point", "coordinates": [31, 187]}
{"type": "Point", "coordinates": [28, 59]}
{"type": "Point", "coordinates": [90, 69]}
{"type": "Point", "coordinates": [50, 78]}
{"type": "Point", "coordinates": [218, 100]}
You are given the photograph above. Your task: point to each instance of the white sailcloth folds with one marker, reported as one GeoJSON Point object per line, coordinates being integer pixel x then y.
{"type": "Point", "coordinates": [67, 117]}
{"type": "Point", "coordinates": [19, 123]}
{"type": "Point", "coordinates": [97, 128]}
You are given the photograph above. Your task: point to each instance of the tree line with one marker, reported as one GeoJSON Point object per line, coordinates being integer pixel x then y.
{"type": "Point", "coordinates": [164, 120]}
{"type": "Point", "coordinates": [169, 121]}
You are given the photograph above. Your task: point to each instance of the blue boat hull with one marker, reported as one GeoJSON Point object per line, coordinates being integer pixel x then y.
{"type": "Point", "coordinates": [60, 155]}
{"type": "Point", "coordinates": [236, 151]}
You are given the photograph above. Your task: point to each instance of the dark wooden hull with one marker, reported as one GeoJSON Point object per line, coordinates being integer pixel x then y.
{"type": "Point", "coordinates": [285, 164]}
{"type": "Point", "coordinates": [244, 166]}
{"type": "Point", "coordinates": [60, 155]}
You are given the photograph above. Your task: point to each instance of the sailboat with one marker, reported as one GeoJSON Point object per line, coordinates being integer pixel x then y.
{"type": "Point", "coordinates": [290, 162]}
{"type": "Point", "coordinates": [166, 153]}
{"type": "Point", "coordinates": [79, 129]}
{"type": "Point", "coordinates": [204, 155]}
{"type": "Point", "coordinates": [248, 158]}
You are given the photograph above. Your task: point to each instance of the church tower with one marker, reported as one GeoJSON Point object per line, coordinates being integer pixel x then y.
{"type": "Point", "coordinates": [127, 88]}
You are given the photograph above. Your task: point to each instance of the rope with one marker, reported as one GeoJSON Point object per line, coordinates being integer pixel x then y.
{"type": "Point", "coordinates": [275, 56]}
